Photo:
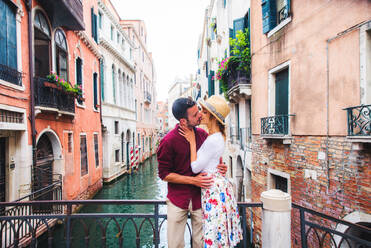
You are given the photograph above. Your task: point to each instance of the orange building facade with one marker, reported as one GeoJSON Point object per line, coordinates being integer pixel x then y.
{"type": "Point", "coordinates": [63, 109]}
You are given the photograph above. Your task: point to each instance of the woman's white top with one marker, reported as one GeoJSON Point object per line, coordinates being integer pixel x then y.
{"type": "Point", "coordinates": [209, 154]}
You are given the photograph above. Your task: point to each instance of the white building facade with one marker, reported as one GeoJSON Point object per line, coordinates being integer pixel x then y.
{"type": "Point", "coordinates": [222, 21]}
{"type": "Point", "coordinates": [117, 92]}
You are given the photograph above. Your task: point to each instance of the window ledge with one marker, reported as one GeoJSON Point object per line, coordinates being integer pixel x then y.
{"type": "Point", "coordinates": [80, 106]}
{"type": "Point", "coordinates": [359, 139]}
{"type": "Point", "coordinates": [286, 139]}
{"type": "Point", "coordinates": [279, 26]}
{"type": "Point", "coordinates": [13, 86]}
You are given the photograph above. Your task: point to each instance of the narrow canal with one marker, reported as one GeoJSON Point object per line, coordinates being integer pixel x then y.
{"type": "Point", "coordinates": [143, 184]}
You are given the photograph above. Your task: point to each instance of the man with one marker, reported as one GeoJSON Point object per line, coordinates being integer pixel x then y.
{"type": "Point", "coordinates": [174, 167]}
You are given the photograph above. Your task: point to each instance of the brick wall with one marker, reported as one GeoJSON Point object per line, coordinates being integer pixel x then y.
{"type": "Point", "coordinates": [348, 189]}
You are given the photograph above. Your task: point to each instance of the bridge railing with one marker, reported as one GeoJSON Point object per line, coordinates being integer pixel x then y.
{"type": "Point", "coordinates": [99, 229]}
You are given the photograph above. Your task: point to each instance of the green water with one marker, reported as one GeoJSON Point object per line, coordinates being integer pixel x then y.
{"type": "Point", "coordinates": [144, 184]}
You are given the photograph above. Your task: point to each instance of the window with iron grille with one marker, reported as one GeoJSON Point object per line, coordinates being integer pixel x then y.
{"type": "Point", "coordinates": [96, 150]}
{"type": "Point", "coordinates": [83, 155]}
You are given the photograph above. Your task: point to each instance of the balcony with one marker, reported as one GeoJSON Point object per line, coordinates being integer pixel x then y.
{"type": "Point", "coordinates": [49, 99]}
{"type": "Point", "coordinates": [359, 122]}
{"type": "Point", "coordinates": [147, 97]}
{"type": "Point", "coordinates": [276, 127]}
{"type": "Point", "coordinates": [65, 13]}
{"type": "Point", "coordinates": [239, 86]}
{"type": "Point", "coordinates": [10, 75]}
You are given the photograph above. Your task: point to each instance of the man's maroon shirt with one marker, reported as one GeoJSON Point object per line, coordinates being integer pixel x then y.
{"type": "Point", "coordinates": [174, 156]}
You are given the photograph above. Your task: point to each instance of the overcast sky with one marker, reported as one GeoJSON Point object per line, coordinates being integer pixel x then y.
{"type": "Point", "coordinates": [173, 28]}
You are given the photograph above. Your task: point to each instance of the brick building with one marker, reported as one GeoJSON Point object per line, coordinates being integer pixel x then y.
{"type": "Point", "coordinates": [309, 63]}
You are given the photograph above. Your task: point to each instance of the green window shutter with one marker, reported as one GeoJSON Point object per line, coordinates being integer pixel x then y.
{"type": "Point", "coordinates": [248, 25]}
{"type": "Point", "coordinates": [282, 92]}
{"type": "Point", "coordinates": [95, 88]}
{"type": "Point", "coordinates": [11, 39]}
{"type": "Point", "coordinates": [92, 23]}
{"type": "Point", "coordinates": [102, 79]}
{"type": "Point", "coordinates": [239, 24]}
{"type": "Point", "coordinates": [231, 37]}
{"type": "Point", "coordinates": [207, 68]}
{"type": "Point", "coordinates": [96, 28]}
{"type": "Point", "coordinates": [269, 15]}
{"type": "Point", "coordinates": [225, 3]}
{"type": "Point", "coordinates": [212, 83]}
{"type": "Point", "coordinates": [3, 29]}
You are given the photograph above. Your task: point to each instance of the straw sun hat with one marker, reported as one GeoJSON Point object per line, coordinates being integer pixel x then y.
{"type": "Point", "coordinates": [217, 106]}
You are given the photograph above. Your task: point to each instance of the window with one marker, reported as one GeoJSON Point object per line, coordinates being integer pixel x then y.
{"type": "Point", "coordinates": [83, 155]}
{"type": "Point", "coordinates": [41, 45]}
{"type": "Point", "coordinates": [96, 150]}
{"type": "Point", "coordinates": [117, 155]}
{"type": "Point", "coordinates": [69, 142]}
{"type": "Point", "coordinates": [61, 54]}
{"type": "Point", "coordinates": [282, 92]}
{"type": "Point", "coordinates": [112, 30]}
{"type": "Point", "coordinates": [118, 37]}
{"type": "Point", "coordinates": [102, 78]}
{"type": "Point", "coordinates": [8, 43]}
{"type": "Point", "coordinates": [79, 76]}
{"type": "Point", "coordinates": [100, 19]}
{"type": "Point", "coordinates": [274, 12]}
{"type": "Point", "coordinates": [279, 180]}
{"type": "Point", "coordinates": [116, 127]}
{"type": "Point", "coordinates": [94, 25]}
{"type": "Point", "coordinates": [95, 93]}
{"type": "Point", "coordinates": [114, 84]}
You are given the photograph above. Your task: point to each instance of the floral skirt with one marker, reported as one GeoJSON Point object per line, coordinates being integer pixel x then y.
{"type": "Point", "coordinates": [220, 218]}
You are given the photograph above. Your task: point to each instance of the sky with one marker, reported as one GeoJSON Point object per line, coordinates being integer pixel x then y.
{"type": "Point", "coordinates": [173, 29]}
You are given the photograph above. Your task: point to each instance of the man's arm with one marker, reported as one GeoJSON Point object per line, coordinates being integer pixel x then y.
{"type": "Point", "coordinates": [201, 180]}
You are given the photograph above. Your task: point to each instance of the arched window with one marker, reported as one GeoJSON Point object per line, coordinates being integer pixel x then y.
{"type": "Point", "coordinates": [41, 45]}
{"type": "Point", "coordinates": [61, 53]}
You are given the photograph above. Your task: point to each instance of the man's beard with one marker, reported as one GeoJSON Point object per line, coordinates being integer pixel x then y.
{"type": "Point", "coordinates": [190, 125]}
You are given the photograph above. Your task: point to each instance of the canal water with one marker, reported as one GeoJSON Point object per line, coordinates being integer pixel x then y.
{"type": "Point", "coordinates": [143, 184]}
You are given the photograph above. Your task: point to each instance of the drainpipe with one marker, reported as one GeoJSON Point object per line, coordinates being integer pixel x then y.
{"type": "Point", "coordinates": [328, 98]}
{"type": "Point", "coordinates": [28, 4]}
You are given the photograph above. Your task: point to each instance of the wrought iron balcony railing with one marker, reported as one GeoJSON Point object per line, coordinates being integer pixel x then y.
{"type": "Point", "coordinates": [275, 125]}
{"type": "Point", "coordinates": [237, 78]}
{"type": "Point", "coordinates": [95, 229]}
{"type": "Point", "coordinates": [147, 97]}
{"type": "Point", "coordinates": [359, 120]}
{"type": "Point", "coordinates": [52, 97]}
{"type": "Point", "coordinates": [10, 75]}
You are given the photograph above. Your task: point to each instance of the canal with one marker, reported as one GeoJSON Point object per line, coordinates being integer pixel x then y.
{"type": "Point", "coordinates": [143, 184]}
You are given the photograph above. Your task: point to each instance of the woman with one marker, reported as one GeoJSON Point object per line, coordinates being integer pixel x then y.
{"type": "Point", "coordinates": [221, 224]}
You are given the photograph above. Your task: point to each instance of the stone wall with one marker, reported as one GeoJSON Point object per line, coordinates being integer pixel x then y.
{"type": "Point", "coordinates": [304, 161]}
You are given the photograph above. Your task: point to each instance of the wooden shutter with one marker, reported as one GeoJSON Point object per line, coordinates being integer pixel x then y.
{"type": "Point", "coordinates": [239, 24]}
{"type": "Point", "coordinates": [78, 71]}
{"type": "Point", "coordinates": [269, 14]}
{"type": "Point", "coordinates": [3, 29]}
{"type": "Point", "coordinates": [11, 39]}
{"type": "Point", "coordinates": [211, 83]}
{"type": "Point", "coordinates": [95, 88]}
{"type": "Point", "coordinates": [230, 37]}
{"type": "Point", "coordinates": [84, 155]}
{"type": "Point", "coordinates": [102, 79]}
{"type": "Point", "coordinates": [282, 92]}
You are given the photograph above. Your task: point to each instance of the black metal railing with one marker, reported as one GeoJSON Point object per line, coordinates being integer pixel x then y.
{"type": "Point", "coordinates": [10, 75]}
{"type": "Point", "coordinates": [320, 230]}
{"type": "Point", "coordinates": [238, 77]}
{"type": "Point", "coordinates": [53, 97]}
{"type": "Point", "coordinates": [359, 120]}
{"type": "Point", "coordinates": [147, 97]}
{"type": "Point", "coordinates": [23, 228]}
{"type": "Point", "coordinates": [84, 224]}
{"type": "Point", "coordinates": [275, 125]}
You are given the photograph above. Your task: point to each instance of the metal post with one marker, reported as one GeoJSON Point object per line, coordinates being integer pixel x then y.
{"type": "Point", "coordinates": [302, 229]}
{"type": "Point", "coordinates": [156, 238]}
{"type": "Point", "coordinates": [244, 227]}
{"type": "Point", "coordinates": [68, 225]}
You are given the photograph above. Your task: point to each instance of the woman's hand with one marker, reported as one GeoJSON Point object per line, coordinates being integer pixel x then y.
{"type": "Point", "coordinates": [187, 133]}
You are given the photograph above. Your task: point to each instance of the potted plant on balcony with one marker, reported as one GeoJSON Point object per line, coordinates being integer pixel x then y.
{"type": "Point", "coordinates": [52, 81]}
{"type": "Point", "coordinates": [235, 68]}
